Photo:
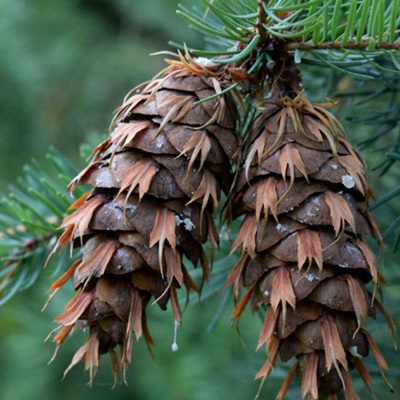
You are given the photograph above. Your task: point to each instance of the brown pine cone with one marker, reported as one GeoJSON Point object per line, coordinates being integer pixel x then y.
{"type": "Point", "coordinates": [155, 183]}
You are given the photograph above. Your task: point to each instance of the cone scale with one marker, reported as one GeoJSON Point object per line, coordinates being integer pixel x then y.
{"type": "Point", "coordinates": [155, 182]}
{"type": "Point", "coordinates": [303, 193]}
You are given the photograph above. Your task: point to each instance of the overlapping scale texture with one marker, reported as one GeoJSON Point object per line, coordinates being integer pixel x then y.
{"type": "Point", "coordinates": [303, 193]}
{"type": "Point", "coordinates": [155, 182]}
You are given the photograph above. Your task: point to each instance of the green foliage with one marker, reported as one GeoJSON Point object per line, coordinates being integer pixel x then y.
{"type": "Point", "coordinates": [378, 104]}
{"type": "Point", "coordinates": [29, 219]}
{"type": "Point", "coordinates": [349, 23]}
{"type": "Point", "coordinates": [355, 29]}
{"type": "Point", "coordinates": [346, 22]}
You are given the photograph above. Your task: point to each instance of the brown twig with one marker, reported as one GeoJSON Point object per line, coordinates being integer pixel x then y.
{"type": "Point", "coordinates": [262, 16]}
{"type": "Point", "coordinates": [363, 45]}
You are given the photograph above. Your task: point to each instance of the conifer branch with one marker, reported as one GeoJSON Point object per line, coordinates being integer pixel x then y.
{"type": "Point", "coordinates": [345, 27]}
{"type": "Point", "coordinates": [29, 220]}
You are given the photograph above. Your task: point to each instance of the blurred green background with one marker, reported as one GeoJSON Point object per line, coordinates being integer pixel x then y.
{"type": "Point", "coordinates": [64, 67]}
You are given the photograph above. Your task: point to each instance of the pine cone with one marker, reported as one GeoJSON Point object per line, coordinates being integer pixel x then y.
{"type": "Point", "coordinates": [303, 193]}
{"type": "Point", "coordinates": [156, 180]}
